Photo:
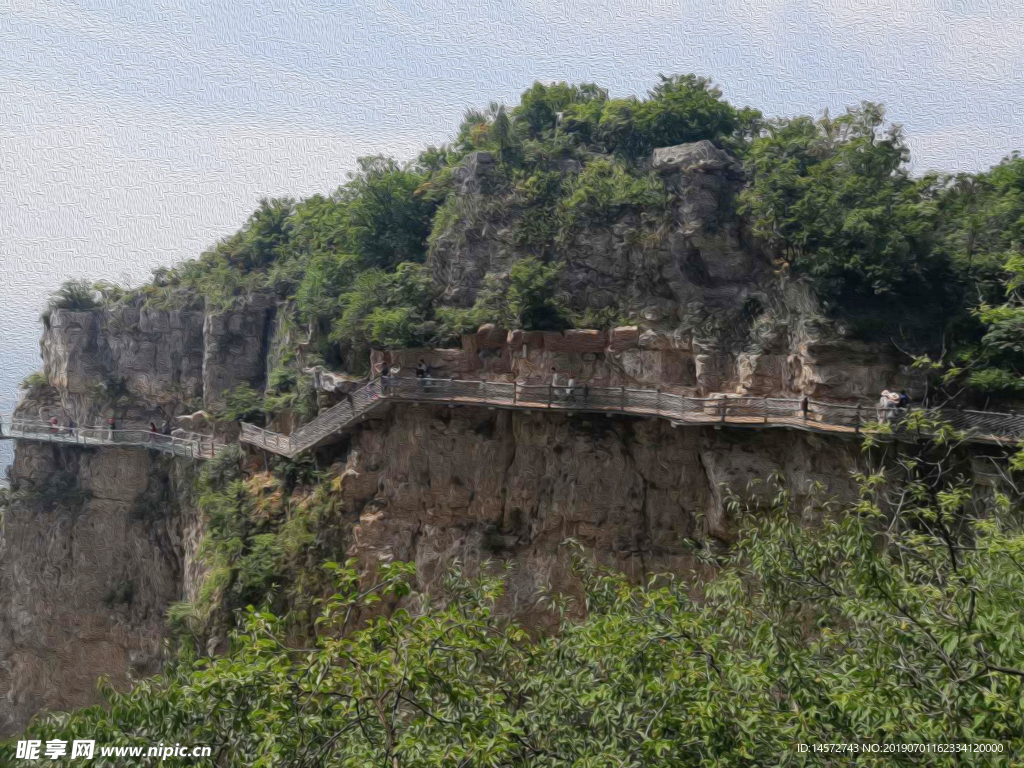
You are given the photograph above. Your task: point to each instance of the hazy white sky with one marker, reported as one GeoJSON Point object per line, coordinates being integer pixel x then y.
{"type": "Point", "coordinates": [136, 134]}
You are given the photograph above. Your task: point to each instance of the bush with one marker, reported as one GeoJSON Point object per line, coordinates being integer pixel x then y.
{"type": "Point", "coordinates": [524, 298]}
{"type": "Point", "coordinates": [35, 380]}
{"type": "Point", "coordinates": [76, 295]}
{"type": "Point", "coordinates": [605, 190]}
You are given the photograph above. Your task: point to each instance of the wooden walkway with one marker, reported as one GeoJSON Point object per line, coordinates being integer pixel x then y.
{"type": "Point", "coordinates": [190, 445]}
{"type": "Point", "coordinates": [679, 410]}
{"type": "Point", "coordinates": [749, 412]}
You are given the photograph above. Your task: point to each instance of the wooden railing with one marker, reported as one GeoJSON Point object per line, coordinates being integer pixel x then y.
{"type": "Point", "coordinates": [793, 413]}
{"type": "Point", "coordinates": [189, 445]}
{"type": "Point", "coordinates": [354, 407]}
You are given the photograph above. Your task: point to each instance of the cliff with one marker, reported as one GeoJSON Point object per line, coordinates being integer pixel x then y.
{"type": "Point", "coordinates": [99, 542]}
{"type": "Point", "coordinates": [432, 485]}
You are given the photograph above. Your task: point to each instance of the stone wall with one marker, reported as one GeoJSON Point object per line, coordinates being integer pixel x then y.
{"type": "Point", "coordinates": [840, 371]}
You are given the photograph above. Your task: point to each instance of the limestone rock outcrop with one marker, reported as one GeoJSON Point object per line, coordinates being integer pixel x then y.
{"type": "Point", "coordinates": [143, 364]}
{"type": "Point", "coordinates": [432, 485]}
{"type": "Point", "coordinates": [96, 545]}
{"type": "Point", "coordinates": [699, 257]}
{"type": "Point", "coordinates": [99, 541]}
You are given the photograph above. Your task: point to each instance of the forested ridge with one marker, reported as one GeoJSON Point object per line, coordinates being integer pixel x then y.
{"type": "Point", "coordinates": [932, 262]}
{"type": "Point", "coordinates": [892, 619]}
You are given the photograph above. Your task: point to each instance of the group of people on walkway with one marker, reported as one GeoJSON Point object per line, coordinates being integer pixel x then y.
{"type": "Point", "coordinates": [892, 404]}
{"type": "Point", "coordinates": [566, 392]}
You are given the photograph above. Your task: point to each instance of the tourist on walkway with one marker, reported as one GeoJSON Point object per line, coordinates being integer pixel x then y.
{"type": "Point", "coordinates": [554, 382]}
{"type": "Point", "coordinates": [53, 426]}
{"type": "Point", "coordinates": [110, 428]}
{"type": "Point", "coordinates": [886, 404]}
{"type": "Point", "coordinates": [71, 427]}
{"type": "Point", "coordinates": [422, 373]}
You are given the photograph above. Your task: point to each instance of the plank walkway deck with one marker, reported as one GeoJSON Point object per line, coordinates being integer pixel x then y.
{"type": "Point", "coordinates": [191, 446]}
{"type": "Point", "coordinates": [750, 412]}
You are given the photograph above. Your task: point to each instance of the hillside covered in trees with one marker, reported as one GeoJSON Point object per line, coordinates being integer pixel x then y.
{"type": "Point", "coordinates": [891, 617]}
{"type": "Point", "coordinates": [931, 263]}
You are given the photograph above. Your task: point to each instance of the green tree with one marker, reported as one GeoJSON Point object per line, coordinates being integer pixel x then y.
{"type": "Point", "coordinates": [524, 298]}
{"type": "Point", "coordinates": [387, 212]}
{"type": "Point", "coordinates": [537, 114]}
{"type": "Point", "coordinates": [388, 309]}
{"type": "Point", "coordinates": [832, 200]}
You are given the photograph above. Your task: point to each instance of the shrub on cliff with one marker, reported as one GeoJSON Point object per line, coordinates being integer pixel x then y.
{"type": "Point", "coordinates": [525, 297]}
{"type": "Point", "coordinates": [76, 295]}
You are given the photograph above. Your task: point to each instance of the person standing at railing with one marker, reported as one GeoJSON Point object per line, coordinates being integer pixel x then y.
{"type": "Point", "coordinates": [110, 429]}
{"type": "Point", "coordinates": [71, 427]}
{"type": "Point", "coordinates": [805, 405]}
{"type": "Point", "coordinates": [901, 404]}
{"type": "Point", "coordinates": [554, 381]}
{"type": "Point", "coordinates": [885, 406]}
{"type": "Point", "coordinates": [570, 392]}
{"type": "Point", "coordinates": [53, 426]}
{"type": "Point", "coordinates": [422, 373]}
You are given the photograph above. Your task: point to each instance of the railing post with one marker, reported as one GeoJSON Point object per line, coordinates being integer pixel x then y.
{"type": "Point", "coordinates": [856, 421]}
{"type": "Point", "coordinates": [722, 408]}
{"type": "Point", "coordinates": [622, 400]}
{"type": "Point", "coordinates": [766, 410]}
{"type": "Point", "coordinates": [551, 388]}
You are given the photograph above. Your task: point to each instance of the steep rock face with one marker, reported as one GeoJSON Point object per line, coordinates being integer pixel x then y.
{"type": "Point", "coordinates": [93, 553]}
{"type": "Point", "coordinates": [713, 314]}
{"type": "Point", "coordinates": [157, 353]}
{"type": "Point", "coordinates": [235, 347]}
{"type": "Point", "coordinates": [167, 361]}
{"type": "Point", "coordinates": [98, 542]}
{"type": "Point", "coordinates": [433, 485]}
{"type": "Point", "coordinates": [697, 258]}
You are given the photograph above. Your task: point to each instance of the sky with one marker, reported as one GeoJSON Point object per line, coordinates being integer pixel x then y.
{"type": "Point", "coordinates": [134, 135]}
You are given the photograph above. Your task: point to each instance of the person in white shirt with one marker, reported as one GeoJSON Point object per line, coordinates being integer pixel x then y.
{"type": "Point", "coordinates": [885, 406]}
{"type": "Point", "coordinates": [554, 381]}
